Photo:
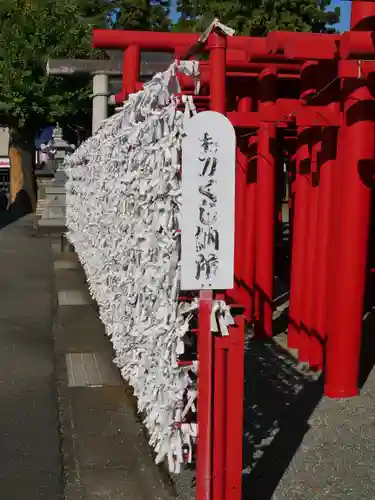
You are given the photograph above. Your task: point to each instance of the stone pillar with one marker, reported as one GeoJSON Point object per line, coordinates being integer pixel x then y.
{"type": "Point", "coordinates": [99, 100]}
{"type": "Point", "coordinates": [52, 194]}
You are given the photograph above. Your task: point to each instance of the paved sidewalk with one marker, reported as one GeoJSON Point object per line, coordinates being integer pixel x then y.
{"type": "Point", "coordinates": [106, 454]}
{"type": "Point", "coordinates": [30, 462]}
{"type": "Point", "coordinates": [68, 423]}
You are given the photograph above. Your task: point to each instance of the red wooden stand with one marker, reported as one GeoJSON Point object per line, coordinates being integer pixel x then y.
{"type": "Point", "coordinates": [220, 407]}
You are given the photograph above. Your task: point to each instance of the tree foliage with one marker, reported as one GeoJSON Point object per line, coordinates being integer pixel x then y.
{"type": "Point", "coordinates": [142, 15]}
{"type": "Point", "coordinates": [258, 17]}
{"type": "Point", "coordinates": [31, 31]}
{"type": "Point", "coordinates": [29, 34]}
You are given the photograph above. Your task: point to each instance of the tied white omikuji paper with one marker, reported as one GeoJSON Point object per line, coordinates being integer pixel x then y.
{"type": "Point", "coordinates": [123, 218]}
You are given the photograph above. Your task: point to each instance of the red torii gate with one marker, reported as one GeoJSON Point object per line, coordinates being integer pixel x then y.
{"type": "Point", "coordinates": [329, 110]}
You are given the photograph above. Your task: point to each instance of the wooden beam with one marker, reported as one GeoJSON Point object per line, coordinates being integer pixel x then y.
{"type": "Point", "coordinates": [70, 67]}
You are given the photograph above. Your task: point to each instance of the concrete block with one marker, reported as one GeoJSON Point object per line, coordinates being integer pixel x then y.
{"type": "Point", "coordinates": [90, 369]}
{"type": "Point", "coordinates": [73, 298]}
{"type": "Point", "coordinates": [66, 264]}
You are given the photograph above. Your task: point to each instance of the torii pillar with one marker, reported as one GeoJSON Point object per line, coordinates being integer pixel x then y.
{"type": "Point", "coordinates": [100, 95]}
{"type": "Point", "coordinates": [352, 197]}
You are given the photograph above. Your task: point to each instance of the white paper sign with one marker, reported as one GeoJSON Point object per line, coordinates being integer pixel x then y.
{"type": "Point", "coordinates": [208, 189]}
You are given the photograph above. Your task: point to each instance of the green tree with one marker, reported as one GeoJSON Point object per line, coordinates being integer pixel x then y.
{"type": "Point", "coordinates": [31, 31]}
{"type": "Point", "coordinates": [159, 15]}
{"type": "Point", "coordinates": [258, 17]}
{"type": "Point", "coordinates": [142, 15]}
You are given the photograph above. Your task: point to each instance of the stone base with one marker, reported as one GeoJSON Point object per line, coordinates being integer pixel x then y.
{"type": "Point", "coordinates": [51, 225]}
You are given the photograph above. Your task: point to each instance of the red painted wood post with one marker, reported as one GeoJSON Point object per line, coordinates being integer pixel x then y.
{"type": "Point", "coordinates": [300, 214]}
{"type": "Point", "coordinates": [357, 155]}
{"type": "Point", "coordinates": [228, 357]}
{"type": "Point", "coordinates": [237, 294]}
{"type": "Point", "coordinates": [326, 219]}
{"type": "Point", "coordinates": [303, 338]}
{"type": "Point", "coordinates": [250, 231]}
{"type": "Point", "coordinates": [217, 68]}
{"type": "Point", "coordinates": [205, 385]}
{"type": "Point", "coordinates": [219, 418]}
{"type": "Point", "coordinates": [228, 413]}
{"type": "Point", "coordinates": [309, 345]}
{"type": "Point", "coordinates": [241, 294]}
{"type": "Point", "coordinates": [265, 209]}
{"type": "Point", "coordinates": [132, 64]}
{"type": "Point", "coordinates": [234, 410]}
{"type": "Point", "coordinates": [350, 254]}
{"type": "Point", "coordinates": [297, 336]}
{"type": "Point", "coordinates": [130, 72]}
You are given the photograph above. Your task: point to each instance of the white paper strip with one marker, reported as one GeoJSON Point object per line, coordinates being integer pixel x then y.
{"type": "Point", "coordinates": [123, 215]}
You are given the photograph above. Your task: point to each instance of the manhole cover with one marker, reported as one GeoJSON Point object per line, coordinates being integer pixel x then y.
{"type": "Point", "coordinates": [89, 369]}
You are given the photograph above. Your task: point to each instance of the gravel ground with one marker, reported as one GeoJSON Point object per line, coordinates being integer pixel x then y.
{"type": "Point", "coordinates": [299, 445]}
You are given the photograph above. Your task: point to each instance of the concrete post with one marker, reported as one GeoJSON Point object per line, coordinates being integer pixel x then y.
{"type": "Point", "coordinates": [99, 100]}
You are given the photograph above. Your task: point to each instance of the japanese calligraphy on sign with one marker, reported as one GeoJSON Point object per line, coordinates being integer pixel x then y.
{"type": "Point", "coordinates": [208, 188]}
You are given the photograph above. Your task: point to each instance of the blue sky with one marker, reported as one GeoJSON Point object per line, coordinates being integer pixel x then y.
{"type": "Point", "coordinates": [345, 13]}
{"type": "Point", "coordinates": [343, 4]}
{"type": "Point", "coordinates": [173, 10]}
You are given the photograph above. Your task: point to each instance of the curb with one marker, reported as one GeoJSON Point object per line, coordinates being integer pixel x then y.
{"type": "Point", "coordinates": [73, 488]}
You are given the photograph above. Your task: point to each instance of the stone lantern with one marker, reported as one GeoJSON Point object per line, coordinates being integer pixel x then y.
{"type": "Point", "coordinates": [51, 192]}
{"type": "Point", "coordinates": [56, 149]}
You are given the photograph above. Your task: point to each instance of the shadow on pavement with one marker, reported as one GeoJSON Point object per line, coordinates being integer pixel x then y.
{"type": "Point", "coordinates": [278, 403]}
{"type": "Point", "coordinates": [367, 345]}
{"type": "Point", "coordinates": [368, 338]}
{"type": "Point", "coordinates": [16, 210]}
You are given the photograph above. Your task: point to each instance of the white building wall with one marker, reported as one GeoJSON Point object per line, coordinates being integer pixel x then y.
{"type": "Point", "coordinates": [4, 142]}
